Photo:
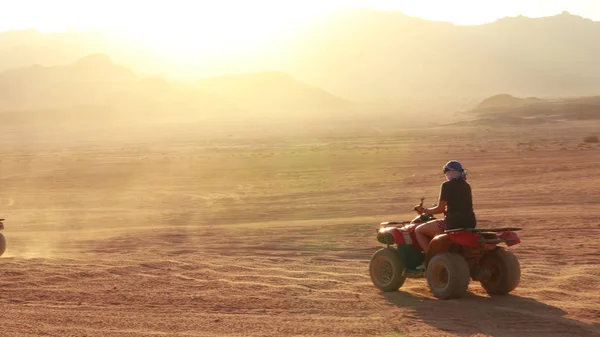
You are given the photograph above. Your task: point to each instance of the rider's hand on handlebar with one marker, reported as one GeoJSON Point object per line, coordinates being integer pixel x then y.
{"type": "Point", "coordinates": [419, 208]}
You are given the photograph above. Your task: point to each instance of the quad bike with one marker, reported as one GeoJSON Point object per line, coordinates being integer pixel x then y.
{"type": "Point", "coordinates": [454, 258]}
{"type": "Point", "coordinates": [2, 239]}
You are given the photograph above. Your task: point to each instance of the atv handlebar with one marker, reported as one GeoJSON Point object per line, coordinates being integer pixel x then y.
{"type": "Point", "coordinates": [420, 204]}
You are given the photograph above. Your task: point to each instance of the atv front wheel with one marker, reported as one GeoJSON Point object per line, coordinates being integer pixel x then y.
{"type": "Point", "coordinates": [502, 272]}
{"type": "Point", "coordinates": [448, 275]}
{"type": "Point", "coordinates": [387, 269]}
{"type": "Point", "coordinates": [2, 244]}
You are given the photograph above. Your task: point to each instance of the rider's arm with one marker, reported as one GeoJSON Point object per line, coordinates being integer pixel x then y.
{"type": "Point", "coordinates": [440, 208]}
{"type": "Point", "coordinates": [442, 203]}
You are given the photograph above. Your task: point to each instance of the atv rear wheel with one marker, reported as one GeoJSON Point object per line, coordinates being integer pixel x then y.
{"type": "Point", "coordinates": [502, 272]}
{"type": "Point", "coordinates": [2, 244]}
{"type": "Point", "coordinates": [448, 275]}
{"type": "Point", "coordinates": [387, 270]}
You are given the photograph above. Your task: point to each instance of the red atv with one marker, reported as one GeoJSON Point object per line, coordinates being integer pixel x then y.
{"type": "Point", "coordinates": [2, 239]}
{"type": "Point", "coordinates": [454, 258]}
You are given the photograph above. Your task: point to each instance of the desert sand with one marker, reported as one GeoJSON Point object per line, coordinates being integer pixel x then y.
{"type": "Point", "coordinates": [181, 232]}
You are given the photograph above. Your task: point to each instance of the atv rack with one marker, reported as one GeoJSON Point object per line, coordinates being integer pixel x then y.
{"type": "Point", "coordinates": [395, 223]}
{"type": "Point", "coordinates": [479, 230]}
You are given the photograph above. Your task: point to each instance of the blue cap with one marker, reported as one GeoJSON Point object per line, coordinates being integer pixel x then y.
{"type": "Point", "coordinates": [453, 165]}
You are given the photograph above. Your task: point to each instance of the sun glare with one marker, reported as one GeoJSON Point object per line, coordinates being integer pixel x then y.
{"type": "Point", "coordinates": [187, 27]}
{"type": "Point", "coordinates": [171, 26]}
{"type": "Point", "coordinates": [214, 27]}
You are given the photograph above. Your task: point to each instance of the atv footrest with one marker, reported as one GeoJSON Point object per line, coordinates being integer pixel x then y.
{"type": "Point", "coordinates": [411, 273]}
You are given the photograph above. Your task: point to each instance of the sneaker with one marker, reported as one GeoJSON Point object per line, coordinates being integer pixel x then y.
{"type": "Point", "coordinates": [420, 267]}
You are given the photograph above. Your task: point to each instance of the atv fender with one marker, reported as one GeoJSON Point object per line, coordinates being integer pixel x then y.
{"type": "Point", "coordinates": [467, 239]}
{"type": "Point", "coordinates": [440, 244]}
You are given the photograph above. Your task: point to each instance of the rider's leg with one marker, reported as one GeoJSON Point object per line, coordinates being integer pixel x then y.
{"type": "Point", "coordinates": [427, 231]}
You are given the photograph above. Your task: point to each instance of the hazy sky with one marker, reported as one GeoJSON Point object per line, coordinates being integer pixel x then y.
{"type": "Point", "coordinates": [176, 24]}
{"type": "Point", "coordinates": [59, 14]}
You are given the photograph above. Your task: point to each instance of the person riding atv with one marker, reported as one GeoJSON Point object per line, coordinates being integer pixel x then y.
{"type": "Point", "coordinates": [456, 202]}
{"type": "Point", "coordinates": [457, 253]}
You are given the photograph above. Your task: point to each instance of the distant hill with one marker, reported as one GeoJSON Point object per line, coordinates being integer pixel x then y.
{"type": "Point", "coordinates": [526, 111]}
{"type": "Point", "coordinates": [25, 48]}
{"type": "Point", "coordinates": [375, 55]}
{"type": "Point", "coordinates": [85, 82]}
{"type": "Point", "coordinates": [506, 101]}
{"type": "Point", "coordinates": [271, 91]}
{"type": "Point", "coordinates": [96, 86]}
{"type": "Point", "coordinates": [96, 81]}
{"type": "Point", "coordinates": [368, 54]}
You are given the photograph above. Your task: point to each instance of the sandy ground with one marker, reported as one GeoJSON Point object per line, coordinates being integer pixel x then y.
{"type": "Point", "coordinates": [175, 234]}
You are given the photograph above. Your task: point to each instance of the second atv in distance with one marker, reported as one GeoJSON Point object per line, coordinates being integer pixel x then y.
{"type": "Point", "coordinates": [454, 258]}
